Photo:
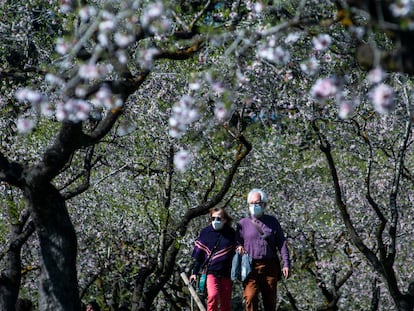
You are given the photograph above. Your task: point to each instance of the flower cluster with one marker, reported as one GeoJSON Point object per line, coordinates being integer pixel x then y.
{"type": "Point", "coordinates": [104, 99]}
{"type": "Point", "coordinates": [25, 125]}
{"type": "Point", "coordinates": [183, 114]}
{"type": "Point", "coordinates": [346, 106]}
{"type": "Point", "coordinates": [325, 88]}
{"type": "Point", "coordinates": [73, 109]}
{"type": "Point", "coordinates": [321, 42]}
{"type": "Point", "coordinates": [401, 8]}
{"type": "Point", "coordinates": [273, 53]}
{"type": "Point", "coordinates": [146, 57]}
{"type": "Point", "coordinates": [182, 159]}
{"type": "Point", "coordinates": [221, 113]}
{"type": "Point", "coordinates": [153, 19]}
{"type": "Point", "coordinates": [310, 67]}
{"type": "Point", "coordinates": [381, 95]}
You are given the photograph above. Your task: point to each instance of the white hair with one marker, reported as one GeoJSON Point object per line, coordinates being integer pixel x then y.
{"type": "Point", "coordinates": [263, 195]}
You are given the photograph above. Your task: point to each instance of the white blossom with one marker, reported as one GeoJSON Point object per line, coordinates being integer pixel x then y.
{"type": "Point", "coordinates": [196, 85]}
{"type": "Point", "coordinates": [183, 114]}
{"type": "Point", "coordinates": [347, 107]}
{"type": "Point", "coordinates": [103, 98]}
{"type": "Point", "coordinates": [107, 25]}
{"type": "Point", "coordinates": [86, 12]}
{"type": "Point", "coordinates": [382, 97]}
{"type": "Point", "coordinates": [89, 71]}
{"type": "Point", "coordinates": [292, 37]}
{"type": "Point", "coordinates": [123, 40]}
{"type": "Point", "coordinates": [122, 56]}
{"type": "Point", "coordinates": [221, 112]}
{"type": "Point", "coordinates": [146, 57]}
{"type": "Point", "coordinates": [321, 42]}
{"type": "Point", "coordinates": [75, 110]}
{"type": "Point", "coordinates": [310, 67]}
{"type": "Point", "coordinates": [324, 88]}
{"type": "Point", "coordinates": [24, 125]}
{"type": "Point", "coordinates": [258, 7]}
{"type": "Point", "coordinates": [33, 97]}
{"type": "Point", "coordinates": [53, 79]}
{"type": "Point", "coordinates": [376, 75]}
{"type": "Point", "coordinates": [62, 47]}
{"type": "Point", "coordinates": [276, 55]}
{"type": "Point", "coordinates": [182, 159]}
{"type": "Point", "coordinates": [401, 8]}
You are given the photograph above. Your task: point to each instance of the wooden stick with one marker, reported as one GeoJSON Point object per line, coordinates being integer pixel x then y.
{"type": "Point", "coordinates": [193, 292]}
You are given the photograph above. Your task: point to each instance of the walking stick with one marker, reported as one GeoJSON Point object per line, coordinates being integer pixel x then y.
{"type": "Point", "coordinates": [193, 292]}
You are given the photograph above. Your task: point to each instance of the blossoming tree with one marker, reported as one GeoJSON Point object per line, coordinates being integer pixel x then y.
{"type": "Point", "coordinates": [77, 77]}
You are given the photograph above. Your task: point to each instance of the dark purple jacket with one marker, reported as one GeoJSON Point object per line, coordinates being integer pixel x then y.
{"type": "Point", "coordinates": [256, 245]}
{"type": "Point", "coordinates": [220, 263]}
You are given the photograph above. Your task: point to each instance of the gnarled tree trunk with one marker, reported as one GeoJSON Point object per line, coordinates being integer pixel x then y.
{"type": "Point", "coordinates": [58, 288]}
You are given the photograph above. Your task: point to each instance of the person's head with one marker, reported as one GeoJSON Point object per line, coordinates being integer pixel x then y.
{"type": "Point", "coordinates": [219, 217]}
{"type": "Point", "coordinates": [257, 200]}
{"type": "Point", "coordinates": [92, 306]}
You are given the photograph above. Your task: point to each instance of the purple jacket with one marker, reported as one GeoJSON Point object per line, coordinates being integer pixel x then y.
{"type": "Point", "coordinates": [256, 245]}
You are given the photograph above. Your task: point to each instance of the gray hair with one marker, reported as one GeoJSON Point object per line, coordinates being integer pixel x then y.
{"type": "Point", "coordinates": [263, 195]}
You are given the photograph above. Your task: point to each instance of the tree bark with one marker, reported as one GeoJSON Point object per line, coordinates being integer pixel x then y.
{"type": "Point", "coordinates": [10, 277]}
{"type": "Point", "coordinates": [58, 288]}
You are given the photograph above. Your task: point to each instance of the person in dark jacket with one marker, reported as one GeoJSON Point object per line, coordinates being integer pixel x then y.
{"type": "Point", "coordinates": [214, 250]}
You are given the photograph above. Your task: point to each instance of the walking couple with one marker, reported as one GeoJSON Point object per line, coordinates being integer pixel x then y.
{"type": "Point", "coordinates": [258, 235]}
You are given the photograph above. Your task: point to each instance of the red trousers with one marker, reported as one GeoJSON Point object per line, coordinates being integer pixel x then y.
{"type": "Point", "coordinates": [218, 293]}
{"type": "Point", "coordinates": [262, 280]}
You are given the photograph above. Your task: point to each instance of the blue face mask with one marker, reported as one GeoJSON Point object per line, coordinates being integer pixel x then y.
{"type": "Point", "coordinates": [217, 224]}
{"type": "Point", "coordinates": [256, 210]}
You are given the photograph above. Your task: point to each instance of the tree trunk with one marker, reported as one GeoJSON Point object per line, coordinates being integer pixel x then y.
{"type": "Point", "coordinates": [10, 277]}
{"type": "Point", "coordinates": [10, 280]}
{"type": "Point", "coordinates": [404, 303]}
{"type": "Point", "coordinates": [58, 288]}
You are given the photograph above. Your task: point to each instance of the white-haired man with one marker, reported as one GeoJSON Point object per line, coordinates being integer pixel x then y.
{"type": "Point", "coordinates": [261, 236]}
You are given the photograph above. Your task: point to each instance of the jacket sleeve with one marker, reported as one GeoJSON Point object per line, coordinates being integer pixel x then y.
{"type": "Point", "coordinates": [282, 246]}
{"type": "Point", "coordinates": [196, 267]}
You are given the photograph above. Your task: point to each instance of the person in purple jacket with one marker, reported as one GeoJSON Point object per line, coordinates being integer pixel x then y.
{"type": "Point", "coordinates": [261, 236]}
{"type": "Point", "coordinates": [214, 249]}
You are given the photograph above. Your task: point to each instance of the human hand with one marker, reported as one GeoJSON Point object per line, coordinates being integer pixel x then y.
{"type": "Point", "coordinates": [192, 278]}
{"type": "Point", "coordinates": [286, 272]}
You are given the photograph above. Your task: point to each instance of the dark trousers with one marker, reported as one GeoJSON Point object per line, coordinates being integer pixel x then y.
{"type": "Point", "coordinates": [262, 279]}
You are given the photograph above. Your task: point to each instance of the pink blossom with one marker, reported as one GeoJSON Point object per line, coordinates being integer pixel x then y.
{"type": "Point", "coordinates": [324, 88]}
{"type": "Point", "coordinates": [123, 40]}
{"type": "Point", "coordinates": [401, 8]}
{"type": "Point", "coordinates": [221, 112]}
{"type": "Point", "coordinates": [292, 37]}
{"type": "Point", "coordinates": [321, 42]}
{"type": "Point", "coordinates": [376, 75]}
{"type": "Point", "coordinates": [146, 57]}
{"type": "Point", "coordinates": [347, 107]}
{"type": "Point", "coordinates": [182, 159]}
{"type": "Point", "coordinates": [107, 25]}
{"type": "Point", "coordinates": [89, 71]}
{"type": "Point", "coordinates": [310, 67]}
{"type": "Point", "coordinates": [276, 55]}
{"type": "Point", "coordinates": [62, 47]}
{"type": "Point", "coordinates": [183, 114]}
{"type": "Point", "coordinates": [74, 110]}
{"type": "Point", "coordinates": [382, 97]}
{"type": "Point", "coordinates": [25, 125]}
{"type": "Point", "coordinates": [87, 12]}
